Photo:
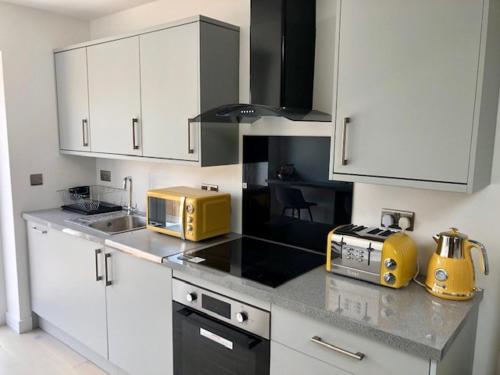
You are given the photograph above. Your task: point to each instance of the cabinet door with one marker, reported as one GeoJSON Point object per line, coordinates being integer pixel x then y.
{"type": "Point", "coordinates": [288, 361]}
{"type": "Point", "coordinates": [170, 77]}
{"type": "Point", "coordinates": [114, 96]}
{"type": "Point", "coordinates": [406, 80]}
{"type": "Point", "coordinates": [379, 358]}
{"type": "Point", "coordinates": [139, 306]}
{"type": "Point", "coordinates": [64, 286]}
{"type": "Point", "coordinates": [72, 99]}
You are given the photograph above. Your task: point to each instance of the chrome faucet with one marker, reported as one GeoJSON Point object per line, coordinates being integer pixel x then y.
{"type": "Point", "coordinates": [127, 181]}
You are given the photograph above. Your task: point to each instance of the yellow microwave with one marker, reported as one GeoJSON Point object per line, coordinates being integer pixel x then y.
{"type": "Point", "coordinates": [188, 213]}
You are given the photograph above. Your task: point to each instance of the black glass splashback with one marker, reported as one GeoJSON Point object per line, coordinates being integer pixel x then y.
{"type": "Point", "coordinates": [287, 196]}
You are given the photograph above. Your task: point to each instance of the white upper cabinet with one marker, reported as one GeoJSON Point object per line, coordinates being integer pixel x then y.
{"type": "Point", "coordinates": [410, 109]}
{"type": "Point", "coordinates": [72, 99]}
{"type": "Point", "coordinates": [170, 89]}
{"type": "Point", "coordinates": [144, 89]}
{"type": "Point", "coordinates": [115, 96]}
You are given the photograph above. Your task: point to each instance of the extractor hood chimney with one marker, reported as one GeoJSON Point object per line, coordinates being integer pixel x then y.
{"type": "Point", "coordinates": [282, 47]}
{"type": "Point", "coordinates": [282, 54]}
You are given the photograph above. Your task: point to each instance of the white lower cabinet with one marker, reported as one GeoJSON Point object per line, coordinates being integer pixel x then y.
{"type": "Point", "coordinates": [291, 362]}
{"type": "Point", "coordinates": [295, 331]}
{"type": "Point", "coordinates": [115, 304]}
{"type": "Point", "coordinates": [64, 287]}
{"type": "Point", "coordinates": [139, 305]}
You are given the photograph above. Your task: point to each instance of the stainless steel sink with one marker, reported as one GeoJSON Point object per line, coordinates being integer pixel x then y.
{"type": "Point", "coordinates": [120, 224]}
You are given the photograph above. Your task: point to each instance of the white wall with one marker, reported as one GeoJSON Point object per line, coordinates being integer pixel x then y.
{"type": "Point", "coordinates": [5, 191]}
{"type": "Point", "coordinates": [27, 38]}
{"type": "Point", "coordinates": [475, 214]}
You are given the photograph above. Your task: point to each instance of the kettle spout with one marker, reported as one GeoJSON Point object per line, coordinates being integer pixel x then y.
{"type": "Point", "coordinates": [436, 238]}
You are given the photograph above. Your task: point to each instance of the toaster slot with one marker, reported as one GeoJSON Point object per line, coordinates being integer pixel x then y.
{"type": "Point", "coordinates": [359, 228]}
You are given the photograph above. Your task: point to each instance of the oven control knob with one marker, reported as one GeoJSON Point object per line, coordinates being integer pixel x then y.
{"type": "Point", "coordinates": [390, 264]}
{"type": "Point", "coordinates": [189, 219]}
{"type": "Point", "coordinates": [190, 208]}
{"type": "Point", "coordinates": [191, 297]}
{"type": "Point", "coordinates": [242, 317]}
{"type": "Point", "coordinates": [389, 278]}
{"type": "Point", "coordinates": [189, 228]}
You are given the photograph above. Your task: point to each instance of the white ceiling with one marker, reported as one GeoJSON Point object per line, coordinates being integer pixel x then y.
{"type": "Point", "coordinates": [83, 9]}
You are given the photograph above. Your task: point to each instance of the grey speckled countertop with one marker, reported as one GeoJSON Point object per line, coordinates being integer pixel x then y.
{"type": "Point", "coordinates": [156, 246]}
{"type": "Point", "coordinates": [58, 219]}
{"type": "Point", "coordinates": [408, 319]}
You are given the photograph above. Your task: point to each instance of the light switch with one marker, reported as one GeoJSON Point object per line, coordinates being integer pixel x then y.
{"type": "Point", "coordinates": [36, 179]}
{"type": "Point", "coordinates": [105, 175]}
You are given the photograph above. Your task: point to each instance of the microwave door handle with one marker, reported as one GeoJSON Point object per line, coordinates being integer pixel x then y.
{"type": "Point", "coordinates": [181, 216]}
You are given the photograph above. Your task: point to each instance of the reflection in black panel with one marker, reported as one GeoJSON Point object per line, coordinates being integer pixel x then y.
{"type": "Point", "coordinates": [288, 196]}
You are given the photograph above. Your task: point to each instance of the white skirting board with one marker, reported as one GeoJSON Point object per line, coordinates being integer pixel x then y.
{"type": "Point", "coordinates": [19, 325]}
{"type": "Point", "coordinates": [99, 361]}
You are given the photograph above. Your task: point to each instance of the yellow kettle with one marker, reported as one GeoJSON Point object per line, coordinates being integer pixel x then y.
{"type": "Point", "coordinates": [450, 272]}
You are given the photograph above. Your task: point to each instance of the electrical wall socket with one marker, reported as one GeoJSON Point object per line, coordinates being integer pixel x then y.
{"type": "Point", "coordinates": [105, 175]}
{"type": "Point", "coordinates": [210, 187]}
{"type": "Point", "coordinates": [390, 218]}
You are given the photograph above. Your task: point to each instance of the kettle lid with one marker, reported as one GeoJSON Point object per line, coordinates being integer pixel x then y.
{"type": "Point", "coordinates": [453, 233]}
{"type": "Point", "coordinates": [451, 243]}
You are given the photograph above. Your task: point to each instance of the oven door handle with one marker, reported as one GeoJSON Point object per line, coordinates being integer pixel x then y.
{"type": "Point", "coordinates": [228, 344]}
{"type": "Point", "coordinates": [206, 326]}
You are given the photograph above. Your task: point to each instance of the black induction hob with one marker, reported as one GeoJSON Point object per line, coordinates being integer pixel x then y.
{"type": "Point", "coordinates": [264, 262]}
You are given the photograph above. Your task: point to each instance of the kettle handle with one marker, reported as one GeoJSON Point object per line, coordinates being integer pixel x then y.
{"type": "Point", "coordinates": [484, 256]}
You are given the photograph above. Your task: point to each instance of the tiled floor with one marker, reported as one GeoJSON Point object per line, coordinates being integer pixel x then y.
{"type": "Point", "coordinates": [37, 353]}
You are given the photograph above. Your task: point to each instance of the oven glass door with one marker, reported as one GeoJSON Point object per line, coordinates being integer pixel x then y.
{"type": "Point", "coordinates": [204, 345]}
{"type": "Point", "coordinates": [167, 214]}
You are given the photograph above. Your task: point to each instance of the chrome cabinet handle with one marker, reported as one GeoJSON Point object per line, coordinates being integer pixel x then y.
{"type": "Point", "coordinates": [97, 276]}
{"type": "Point", "coordinates": [42, 231]}
{"type": "Point", "coordinates": [85, 132]}
{"type": "Point", "coordinates": [190, 149]}
{"type": "Point", "coordinates": [135, 121]}
{"type": "Point", "coordinates": [318, 340]}
{"type": "Point", "coordinates": [108, 281]}
{"type": "Point", "coordinates": [347, 120]}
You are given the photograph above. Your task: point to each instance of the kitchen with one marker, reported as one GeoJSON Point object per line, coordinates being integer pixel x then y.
{"type": "Point", "coordinates": [29, 76]}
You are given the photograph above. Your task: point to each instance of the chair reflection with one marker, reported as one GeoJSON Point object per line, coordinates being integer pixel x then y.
{"type": "Point", "coordinates": [293, 199]}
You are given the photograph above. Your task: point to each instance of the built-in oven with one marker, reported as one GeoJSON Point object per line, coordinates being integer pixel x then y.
{"type": "Point", "coordinates": [217, 335]}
